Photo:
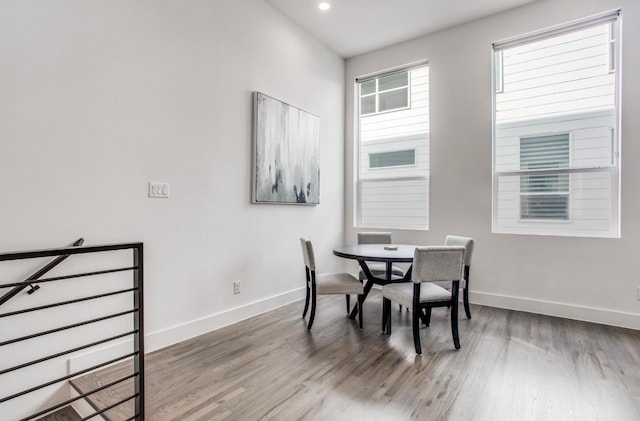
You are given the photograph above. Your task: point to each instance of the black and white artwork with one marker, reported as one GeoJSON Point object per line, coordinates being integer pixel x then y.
{"type": "Point", "coordinates": [287, 153]}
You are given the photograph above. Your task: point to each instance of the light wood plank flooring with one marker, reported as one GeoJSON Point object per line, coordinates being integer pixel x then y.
{"type": "Point", "coordinates": [512, 366]}
{"type": "Point", "coordinates": [64, 414]}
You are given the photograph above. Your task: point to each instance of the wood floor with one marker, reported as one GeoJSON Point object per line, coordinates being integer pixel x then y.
{"type": "Point", "coordinates": [512, 366]}
{"type": "Point", "coordinates": [64, 414]}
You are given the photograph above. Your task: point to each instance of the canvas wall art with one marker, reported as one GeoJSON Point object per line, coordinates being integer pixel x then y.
{"type": "Point", "coordinates": [286, 153]}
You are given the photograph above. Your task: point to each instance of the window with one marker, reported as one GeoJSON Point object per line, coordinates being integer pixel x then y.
{"type": "Point", "coordinates": [544, 196]}
{"type": "Point", "coordinates": [393, 150]}
{"type": "Point", "coordinates": [392, 159]}
{"type": "Point", "coordinates": [384, 93]}
{"type": "Point", "coordinates": [556, 138]}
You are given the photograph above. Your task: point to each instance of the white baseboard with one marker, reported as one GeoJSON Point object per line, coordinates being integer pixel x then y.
{"type": "Point", "coordinates": [549, 308]}
{"type": "Point", "coordinates": [178, 333]}
{"type": "Point", "coordinates": [183, 331]}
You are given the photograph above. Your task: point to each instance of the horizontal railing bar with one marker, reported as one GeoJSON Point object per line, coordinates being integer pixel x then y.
{"type": "Point", "coordinates": [103, 410]}
{"type": "Point", "coordinates": [60, 354]}
{"type": "Point", "coordinates": [545, 171]}
{"type": "Point", "coordinates": [63, 303]}
{"type": "Point", "coordinates": [76, 275]}
{"type": "Point", "coordinates": [20, 255]}
{"type": "Point", "coordinates": [47, 332]}
{"type": "Point", "coordinates": [58, 380]}
{"type": "Point", "coordinates": [75, 398]}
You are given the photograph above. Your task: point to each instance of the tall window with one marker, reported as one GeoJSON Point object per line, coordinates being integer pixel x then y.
{"type": "Point", "coordinates": [556, 138]}
{"type": "Point", "coordinates": [393, 150]}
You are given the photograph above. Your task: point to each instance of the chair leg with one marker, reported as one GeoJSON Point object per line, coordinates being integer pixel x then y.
{"type": "Point", "coordinates": [425, 316]}
{"type": "Point", "coordinates": [313, 308]}
{"type": "Point", "coordinates": [306, 302]}
{"type": "Point", "coordinates": [416, 330]}
{"type": "Point", "coordinates": [360, 309]}
{"type": "Point", "coordinates": [386, 316]}
{"type": "Point", "coordinates": [454, 318]}
{"type": "Point", "coordinates": [348, 297]}
{"type": "Point", "coordinates": [465, 297]}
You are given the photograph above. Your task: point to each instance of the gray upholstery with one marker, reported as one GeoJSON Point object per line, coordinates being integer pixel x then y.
{"type": "Point", "coordinates": [402, 293]}
{"type": "Point", "coordinates": [338, 283]}
{"type": "Point", "coordinates": [466, 242]}
{"type": "Point", "coordinates": [307, 254]}
{"type": "Point", "coordinates": [438, 264]}
{"type": "Point", "coordinates": [379, 270]}
{"type": "Point", "coordinates": [374, 238]}
{"type": "Point", "coordinates": [434, 263]}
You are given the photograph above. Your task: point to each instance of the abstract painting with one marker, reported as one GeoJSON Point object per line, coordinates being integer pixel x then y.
{"type": "Point", "coordinates": [286, 153]}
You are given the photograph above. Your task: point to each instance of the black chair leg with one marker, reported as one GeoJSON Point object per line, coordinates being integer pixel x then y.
{"type": "Point", "coordinates": [306, 302]}
{"type": "Point", "coordinates": [313, 309]}
{"type": "Point", "coordinates": [454, 320]}
{"type": "Point", "coordinates": [465, 297]}
{"type": "Point", "coordinates": [416, 330]}
{"type": "Point", "coordinates": [386, 316]}
{"type": "Point", "coordinates": [348, 297]}
{"type": "Point", "coordinates": [360, 309]}
{"type": "Point", "coordinates": [426, 316]}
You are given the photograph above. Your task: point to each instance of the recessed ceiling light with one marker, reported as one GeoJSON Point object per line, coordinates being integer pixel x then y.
{"type": "Point", "coordinates": [324, 6]}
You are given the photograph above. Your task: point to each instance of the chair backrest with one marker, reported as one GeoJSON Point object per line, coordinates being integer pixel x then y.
{"type": "Point", "coordinates": [466, 242]}
{"type": "Point", "coordinates": [307, 254]}
{"type": "Point", "coordinates": [438, 264]}
{"type": "Point", "coordinates": [374, 238]}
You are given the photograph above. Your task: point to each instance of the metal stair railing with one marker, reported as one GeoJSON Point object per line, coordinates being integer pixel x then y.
{"type": "Point", "coordinates": [136, 331]}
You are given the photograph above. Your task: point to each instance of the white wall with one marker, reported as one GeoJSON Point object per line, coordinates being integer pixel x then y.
{"type": "Point", "coordinates": [584, 278]}
{"type": "Point", "coordinates": [99, 98]}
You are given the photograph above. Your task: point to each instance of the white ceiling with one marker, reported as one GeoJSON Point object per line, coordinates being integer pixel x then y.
{"type": "Point", "coordinates": [353, 27]}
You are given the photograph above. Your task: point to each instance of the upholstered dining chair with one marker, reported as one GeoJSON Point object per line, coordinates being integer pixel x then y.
{"type": "Point", "coordinates": [327, 283]}
{"type": "Point", "coordinates": [430, 264]}
{"type": "Point", "coordinates": [467, 243]}
{"type": "Point", "coordinates": [378, 269]}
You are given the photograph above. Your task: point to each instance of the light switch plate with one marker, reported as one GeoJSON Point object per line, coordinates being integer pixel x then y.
{"type": "Point", "coordinates": [158, 190]}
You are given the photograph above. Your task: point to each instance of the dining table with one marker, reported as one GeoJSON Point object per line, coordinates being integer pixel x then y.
{"type": "Point", "coordinates": [386, 253]}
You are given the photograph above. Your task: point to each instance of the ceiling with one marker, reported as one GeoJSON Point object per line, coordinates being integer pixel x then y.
{"type": "Point", "coordinates": [353, 27]}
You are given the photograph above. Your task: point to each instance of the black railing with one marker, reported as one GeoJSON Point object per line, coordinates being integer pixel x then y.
{"type": "Point", "coordinates": [136, 332]}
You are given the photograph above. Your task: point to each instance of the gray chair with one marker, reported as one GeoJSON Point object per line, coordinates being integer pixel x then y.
{"type": "Point", "coordinates": [430, 264]}
{"type": "Point", "coordinates": [327, 283]}
{"type": "Point", "coordinates": [467, 243]}
{"type": "Point", "coordinates": [378, 269]}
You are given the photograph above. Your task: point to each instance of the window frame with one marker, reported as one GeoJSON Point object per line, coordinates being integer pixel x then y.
{"type": "Point", "coordinates": [613, 168]}
{"type": "Point", "coordinates": [377, 92]}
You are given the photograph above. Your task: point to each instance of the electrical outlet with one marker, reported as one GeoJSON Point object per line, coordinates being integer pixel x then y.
{"type": "Point", "coordinates": [236, 287]}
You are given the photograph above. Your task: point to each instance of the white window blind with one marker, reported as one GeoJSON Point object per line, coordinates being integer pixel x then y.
{"type": "Point", "coordinates": [544, 196]}
{"type": "Point", "coordinates": [556, 141]}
